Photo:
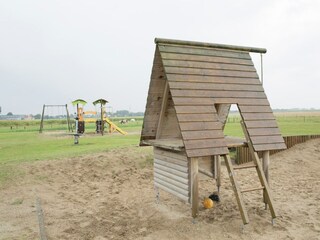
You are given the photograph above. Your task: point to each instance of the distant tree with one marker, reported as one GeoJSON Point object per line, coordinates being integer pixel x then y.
{"type": "Point", "coordinates": [9, 114]}
{"type": "Point", "coordinates": [37, 116]}
{"type": "Point", "coordinates": [122, 113]}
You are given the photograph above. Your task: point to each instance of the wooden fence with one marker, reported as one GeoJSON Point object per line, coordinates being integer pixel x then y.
{"type": "Point", "coordinates": [243, 154]}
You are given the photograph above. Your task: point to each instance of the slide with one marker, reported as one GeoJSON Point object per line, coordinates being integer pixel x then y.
{"type": "Point", "coordinates": [114, 127]}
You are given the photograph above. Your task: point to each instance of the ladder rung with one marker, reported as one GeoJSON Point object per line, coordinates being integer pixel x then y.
{"type": "Point", "coordinates": [243, 166]}
{"type": "Point", "coordinates": [251, 189]}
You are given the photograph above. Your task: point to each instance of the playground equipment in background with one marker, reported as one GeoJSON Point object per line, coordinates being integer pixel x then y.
{"type": "Point", "coordinates": [60, 107]}
{"type": "Point", "coordinates": [100, 122]}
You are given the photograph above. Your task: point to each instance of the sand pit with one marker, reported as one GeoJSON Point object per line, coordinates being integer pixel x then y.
{"type": "Point", "coordinates": [110, 196]}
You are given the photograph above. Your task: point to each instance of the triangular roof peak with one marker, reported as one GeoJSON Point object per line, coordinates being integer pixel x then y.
{"type": "Point", "coordinates": [191, 89]}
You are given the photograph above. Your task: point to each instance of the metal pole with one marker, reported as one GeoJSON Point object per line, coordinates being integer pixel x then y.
{"type": "Point", "coordinates": [261, 68]}
{"type": "Point", "coordinates": [68, 119]}
{"type": "Point", "coordinates": [42, 116]}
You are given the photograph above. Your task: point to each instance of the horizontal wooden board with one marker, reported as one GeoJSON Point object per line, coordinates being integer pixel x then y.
{"type": "Point", "coordinates": [181, 196]}
{"type": "Point", "coordinates": [207, 152]}
{"type": "Point", "coordinates": [178, 101]}
{"type": "Point", "coordinates": [171, 165]}
{"type": "Point", "coordinates": [171, 181]}
{"type": "Point", "coordinates": [267, 139]}
{"type": "Point", "coordinates": [194, 109]}
{"type": "Point", "coordinates": [211, 134]}
{"type": "Point", "coordinates": [180, 190]}
{"type": "Point", "coordinates": [261, 123]}
{"type": "Point", "coordinates": [258, 116]}
{"type": "Point", "coordinates": [255, 109]}
{"type": "Point", "coordinates": [172, 160]}
{"type": "Point", "coordinates": [209, 72]}
{"type": "Point", "coordinates": [203, 51]}
{"type": "Point", "coordinates": [172, 176]}
{"type": "Point", "coordinates": [206, 59]}
{"type": "Point", "coordinates": [208, 65]}
{"type": "Point", "coordinates": [266, 147]}
{"type": "Point", "coordinates": [170, 170]}
{"type": "Point", "coordinates": [242, 101]}
{"type": "Point", "coordinates": [206, 143]}
{"type": "Point", "coordinates": [170, 154]}
{"type": "Point", "coordinates": [211, 79]}
{"type": "Point", "coordinates": [263, 131]}
{"type": "Point", "coordinates": [216, 94]}
{"type": "Point", "coordinates": [207, 117]}
{"type": "Point", "coordinates": [215, 86]}
{"type": "Point", "coordinates": [187, 126]}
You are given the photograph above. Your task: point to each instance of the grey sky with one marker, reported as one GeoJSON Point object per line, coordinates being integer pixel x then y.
{"type": "Point", "coordinates": [52, 52]}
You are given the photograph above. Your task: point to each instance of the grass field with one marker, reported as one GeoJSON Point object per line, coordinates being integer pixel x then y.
{"type": "Point", "coordinates": [21, 142]}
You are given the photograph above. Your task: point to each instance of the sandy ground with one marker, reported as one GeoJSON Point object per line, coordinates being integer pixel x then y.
{"type": "Point", "coordinates": [110, 196]}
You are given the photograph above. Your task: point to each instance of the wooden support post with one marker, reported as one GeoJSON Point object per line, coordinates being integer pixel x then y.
{"type": "Point", "coordinates": [217, 170]}
{"type": "Point", "coordinates": [194, 182]}
{"type": "Point", "coordinates": [265, 164]}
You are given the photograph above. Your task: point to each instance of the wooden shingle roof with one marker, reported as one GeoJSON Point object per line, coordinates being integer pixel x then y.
{"type": "Point", "coordinates": [200, 77]}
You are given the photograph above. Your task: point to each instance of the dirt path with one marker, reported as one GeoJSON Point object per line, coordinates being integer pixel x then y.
{"type": "Point", "coordinates": [110, 196]}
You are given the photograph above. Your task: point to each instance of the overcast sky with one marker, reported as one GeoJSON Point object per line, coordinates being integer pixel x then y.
{"type": "Point", "coordinates": [55, 51]}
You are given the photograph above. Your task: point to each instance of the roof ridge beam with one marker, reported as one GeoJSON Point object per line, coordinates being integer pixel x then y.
{"type": "Point", "coordinates": [210, 45]}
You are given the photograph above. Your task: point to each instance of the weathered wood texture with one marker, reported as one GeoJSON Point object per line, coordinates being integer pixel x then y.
{"type": "Point", "coordinates": [201, 78]}
{"type": "Point", "coordinates": [243, 155]}
{"type": "Point", "coordinates": [171, 172]}
{"type": "Point", "coordinates": [154, 100]}
{"type": "Point", "coordinates": [217, 78]}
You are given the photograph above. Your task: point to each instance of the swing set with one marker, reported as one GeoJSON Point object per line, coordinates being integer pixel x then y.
{"type": "Point", "coordinates": [63, 111]}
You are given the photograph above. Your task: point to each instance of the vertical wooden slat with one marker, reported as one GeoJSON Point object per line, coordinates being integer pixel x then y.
{"type": "Point", "coordinates": [163, 109]}
{"type": "Point", "coordinates": [243, 155]}
{"type": "Point", "coordinates": [194, 181]}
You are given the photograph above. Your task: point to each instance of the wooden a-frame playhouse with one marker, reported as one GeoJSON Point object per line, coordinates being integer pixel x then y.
{"type": "Point", "coordinates": [191, 90]}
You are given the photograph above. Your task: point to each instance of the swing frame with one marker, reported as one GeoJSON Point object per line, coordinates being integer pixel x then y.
{"type": "Point", "coordinates": [52, 106]}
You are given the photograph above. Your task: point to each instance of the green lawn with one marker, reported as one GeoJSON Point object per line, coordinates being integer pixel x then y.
{"type": "Point", "coordinates": [32, 146]}
{"type": "Point", "coordinates": [21, 142]}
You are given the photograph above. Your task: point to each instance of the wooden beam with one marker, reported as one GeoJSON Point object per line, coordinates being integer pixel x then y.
{"type": "Point", "coordinates": [163, 108]}
{"type": "Point", "coordinates": [194, 184]}
{"type": "Point", "coordinates": [210, 45]}
{"type": "Point", "coordinates": [262, 178]}
{"type": "Point", "coordinates": [206, 172]}
{"type": "Point", "coordinates": [217, 170]}
{"type": "Point", "coordinates": [265, 164]}
{"type": "Point", "coordinates": [237, 191]}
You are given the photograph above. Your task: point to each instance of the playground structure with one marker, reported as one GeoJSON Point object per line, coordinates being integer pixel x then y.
{"type": "Point", "coordinates": [63, 107]}
{"type": "Point", "coordinates": [100, 121]}
{"type": "Point", "coordinates": [191, 90]}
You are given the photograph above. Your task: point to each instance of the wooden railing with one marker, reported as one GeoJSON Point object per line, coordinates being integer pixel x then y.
{"type": "Point", "coordinates": [243, 155]}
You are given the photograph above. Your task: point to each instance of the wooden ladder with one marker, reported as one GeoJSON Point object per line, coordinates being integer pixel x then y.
{"type": "Point", "coordinates": [238, 191]}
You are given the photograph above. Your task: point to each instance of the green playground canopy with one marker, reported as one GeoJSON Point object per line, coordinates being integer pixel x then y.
{"type": "Point", "coordinates": [79, 101]}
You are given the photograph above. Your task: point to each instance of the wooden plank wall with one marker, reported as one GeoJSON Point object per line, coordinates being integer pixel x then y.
{"type": "Point", "coordinates": [201, 78]}
{"type": "Point", "coordinates": [170, 127]}
{"type": "Point", "coordinates": [171, 173]}
{"type": "Point", "coordinates": [262, 127]}
{"type": "Point", "coordinates": [243, 155]}
{"type": "Point", "coordinates": [154, 100]}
